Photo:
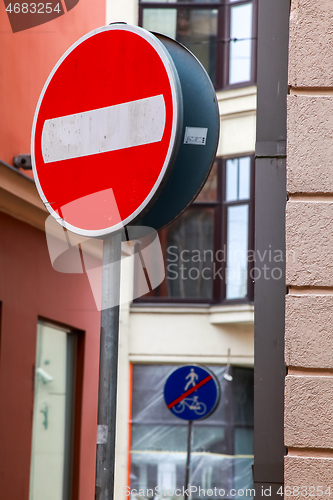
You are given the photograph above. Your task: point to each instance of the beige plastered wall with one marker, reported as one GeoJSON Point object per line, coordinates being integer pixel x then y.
{"type": "Point", "coordinates": [184, 334]}
{"type": "Point", "coordinates": [177, 334]}
{"type": "Point", "coordinates": [309, 237]}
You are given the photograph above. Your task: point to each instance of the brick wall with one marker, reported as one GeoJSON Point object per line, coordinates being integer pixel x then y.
{"type": "Point", "coordinates": [309, 236]}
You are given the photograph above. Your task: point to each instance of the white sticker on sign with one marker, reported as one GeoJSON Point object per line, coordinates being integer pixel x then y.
{"type": "Point", "coordinates": [195, 135]}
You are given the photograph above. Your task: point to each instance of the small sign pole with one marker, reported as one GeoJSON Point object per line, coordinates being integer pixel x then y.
{"type": "Point", "coordinates": [191, 392]}
{"type": "Point", "coordinates": [108, 365]}
{"type": "Point", "coordinates": [188, 462]}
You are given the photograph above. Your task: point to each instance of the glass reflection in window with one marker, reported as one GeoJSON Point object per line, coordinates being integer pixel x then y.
{"type": "Point", "coordinates": [240, 43]}
{"type": "Point", "coordinates": [238, 179]}
{"type": "Point", "coordinates": [194, 28]}
{"type": "Point", "coordinates": [237, 251]}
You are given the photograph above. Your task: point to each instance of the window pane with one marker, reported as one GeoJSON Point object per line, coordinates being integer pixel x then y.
{"type": "Point", "coordinates": [51, 464]}
{"type": "Point", "coordinates": [240, 49]}
{"type": "Point", "coordinates": [194, 28]}
{"type": "Point", "coordinates": [238, 179]}
{"type": "Point", "coordinates": [243, 441]}
{"type": "Point", "coordinates": [197, 30]}
{"type": "Point", "coordinates": [160, 20]}
{"type": "Point", "coordinates": [232, 180]}
{"type": "Point", "coordinates": [244, 178]}
{"type": "Point", "coordinates": [222, 444]}
{"type": "Point", "coordinates": [211, 439]}
{"type": "Point", "coordinates": [208, 472]}
{"type": "Point", "coordinates": [209, 191]}
{"type": "Point", "coordinates": [148, 401]}
{"type": "Point", "coordinates": [243, 384]}
{"type": "Point", "coordinates": [243, 476]}
{"type": "Point", "coordinates": [190, 248]}
{"type": "Point", "coordinates": [150, 470]}
{"type": "Point", "coordinates": [237, 248]}
{"type": "Point", "coordinates": [148, 404]}
{"type": "Point", "coordinates": [159, 437]}
{"type": "Point", "coordinates": [208, 439]}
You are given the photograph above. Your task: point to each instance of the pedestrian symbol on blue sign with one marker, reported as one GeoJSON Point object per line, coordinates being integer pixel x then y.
{"type": "Point", "coordinates": [192, 376]}
{"type": "Point", "coordinates": [192, 392]}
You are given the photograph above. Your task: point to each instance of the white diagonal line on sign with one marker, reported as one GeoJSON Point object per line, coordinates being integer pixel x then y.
{"type": "Point", "coordinates": [102, 130]}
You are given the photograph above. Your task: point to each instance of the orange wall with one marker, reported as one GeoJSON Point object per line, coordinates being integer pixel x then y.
{"type": "Point", "coordinates": [26, 59]}
{"type": "Point", "coordinates": [30, 288]}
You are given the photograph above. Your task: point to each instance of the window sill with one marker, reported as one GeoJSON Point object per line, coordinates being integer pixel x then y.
{"type": "Point", "coordinates": [151, 308]}
{"type": "Point", "coordinates": [238, 313]}
{"type": "Point", "coordinates": [237, 101]}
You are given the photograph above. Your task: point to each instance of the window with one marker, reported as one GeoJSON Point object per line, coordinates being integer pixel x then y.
{"type": "Point", "coordinates": [221, 34]}
{"type": "Point", "coordinates": [222, 446]}
{"type": "Point", "coordinates": [208, 249]}
{"type": "Point", "coordinates": [51, 474]}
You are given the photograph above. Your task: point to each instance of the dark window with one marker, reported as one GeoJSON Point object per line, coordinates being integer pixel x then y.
{"type": "Point", "coordinates": [222, 34]}
{"type": "Point", "coordinates": [222, 444]}
{"type": "Point", "coordinates": [208, 250]}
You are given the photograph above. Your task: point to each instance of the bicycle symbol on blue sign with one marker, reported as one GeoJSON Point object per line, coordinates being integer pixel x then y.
{"type": "Point", "coordinates": [192, 392]}
{"type": "Point", "coordinates": [192, 404]}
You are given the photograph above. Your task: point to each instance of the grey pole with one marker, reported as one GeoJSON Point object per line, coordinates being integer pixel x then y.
{"type": "Point", "coordinates": [270, 207]}
{"type": "Point", "coordinates": [108, 364]}
{"type": "Point", "coordinates": [188, 461]}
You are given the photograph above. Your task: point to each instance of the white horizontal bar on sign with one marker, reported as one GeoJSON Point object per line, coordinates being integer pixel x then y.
{"type": "Point", "coordinates": [102, 130]}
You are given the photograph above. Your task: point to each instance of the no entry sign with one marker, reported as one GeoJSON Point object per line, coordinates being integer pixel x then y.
{"type": "Point", "coordinates": [106, 129]}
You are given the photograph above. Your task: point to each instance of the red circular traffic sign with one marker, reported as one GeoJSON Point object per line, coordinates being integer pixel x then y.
{"type": "Point", "coordinates": [106, 129]}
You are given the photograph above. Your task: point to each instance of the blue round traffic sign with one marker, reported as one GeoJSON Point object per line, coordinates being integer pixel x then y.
{"type": "Point", "coordinates": [192, 392]}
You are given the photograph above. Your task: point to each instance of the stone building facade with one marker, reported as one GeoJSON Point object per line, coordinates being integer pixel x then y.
{"type": "Point", "coordinates": [309, 234]}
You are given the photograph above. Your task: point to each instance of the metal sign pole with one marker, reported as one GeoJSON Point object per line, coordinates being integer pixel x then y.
{"type": "Point", "coordinates": [188, 462]}
{"type": "Point", "coordinates": [191, 392]}
{"type": "Point", "coordinates": [108, 364]}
